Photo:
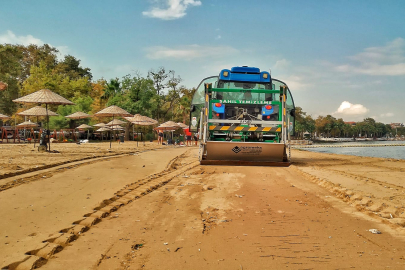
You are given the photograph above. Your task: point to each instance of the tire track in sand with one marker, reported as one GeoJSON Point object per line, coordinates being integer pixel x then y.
{"type": "Point", "coordinates": [131, 192]}
{"type": "Point", "coordinates": [30, 175]}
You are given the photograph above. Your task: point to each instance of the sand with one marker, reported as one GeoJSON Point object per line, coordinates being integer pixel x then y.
{"type": "Point", "coordinates": [22, 158]}
{"type": "Point", "coordinates": [159, 209]}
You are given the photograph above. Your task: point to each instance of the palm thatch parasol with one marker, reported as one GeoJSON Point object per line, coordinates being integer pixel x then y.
{"type": "Point", "coordinates": [116, 127]}
{"type": "Point", "coordinates": [99, 125]}
{"type": "Point", "coordinates": [112, 111]}
{"type": "Point", "coordinates": [182, 125]}
{"type": "Point", "coordinates": [103, 129]}
{"type": "Point", "coordinates": [27, 124]}
{"type": "Point", "coordinates": [141, 120]}
{"type": "Point", "coordinates": [168, 126]}
{"type": "Point", "coordinates": [37, 111]}
{"type": "Point", "coordinates": [44, 96]}
{"type": "Point", "coordinates": [115, 122]}
{"type": "Point", "coordinates": [78, 115]}
{"type": "Point", "coordinates": [84, 126]}
{"type": "Point", "coordinates": [3, 116]}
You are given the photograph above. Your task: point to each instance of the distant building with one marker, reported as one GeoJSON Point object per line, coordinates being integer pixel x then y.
{"type": "Point", "coordinates": [397, 125]}
{"type": "Point", "coordinates": [351, 123]}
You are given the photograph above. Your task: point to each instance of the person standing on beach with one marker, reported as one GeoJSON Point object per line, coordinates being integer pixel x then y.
{"type": "Point", "coordinates": [196, 138]}
{"type": "Point", "coordinates": [188, 136]}
{"type": "Point", "coordinates": [160, 136]}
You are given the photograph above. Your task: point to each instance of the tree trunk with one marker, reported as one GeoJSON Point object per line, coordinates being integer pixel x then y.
{"type": "Point", "coordinates": [127, 126]}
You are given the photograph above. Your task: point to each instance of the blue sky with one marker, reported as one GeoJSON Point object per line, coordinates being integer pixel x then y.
{"type": "Point", "coordinates": [345, 58]}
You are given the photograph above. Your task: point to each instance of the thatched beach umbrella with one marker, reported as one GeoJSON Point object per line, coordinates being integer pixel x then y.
{"type": "Point", "coordinates": [168, 126]}
{"type": "Point", "coordinates": [116, 127]}
{"type": "Point", "coordinates": [37, 111]}
{"type": "Point", "coordinates": [44, 96]}
{"type": "Point", "coordinates": [113, 111]}
{"type": "Point", "coordinates": [115, 122]}
{"type": "Point", "coordinates": [78, 115]}
{"type": "Point", "coordinates": [3, 116]}
{"type": "Point", "coordinates": [101, 130]}
{"type": "Point", "coordinates": [182, 125]}
{"type": "Point", "coordinates": [84, 126]}
{"type": "Point", "coordinates": [141, 120]}
{"type": "Point", "coordinates": [99, 125]}
{"type": "Point", "coordinates": [27, 124]}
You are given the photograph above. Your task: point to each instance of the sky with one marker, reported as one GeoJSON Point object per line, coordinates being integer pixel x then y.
{"type": "Point", "coordinates": [344, 58]}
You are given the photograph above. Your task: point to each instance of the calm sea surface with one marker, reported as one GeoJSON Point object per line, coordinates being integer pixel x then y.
{"type": "Point", "coordinates": [397, 152]}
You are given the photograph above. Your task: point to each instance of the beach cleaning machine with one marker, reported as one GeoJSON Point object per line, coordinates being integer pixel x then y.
{"type": "Point", "coordinates": [243, 117]}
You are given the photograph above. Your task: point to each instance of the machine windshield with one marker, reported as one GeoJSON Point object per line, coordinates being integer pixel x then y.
{"type": "Point", "coordinates": [245, 94]}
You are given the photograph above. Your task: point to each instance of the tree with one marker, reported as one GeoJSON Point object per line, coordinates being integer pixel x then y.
{"type": "Point", "coordinates": [112, 88]}
{"type": "Point", "coordinates": [310, 124]}
{"type": "Point", "coordinates": [70, 66]}
{"type": "Point", "coordinates": [159, 78]}
{"type": "Point", "coordinates": [137, 95]}
{"type": "Point", "coordinates": [32, 55]}
{"type": "Point", "coordinates": [82, 104]}
{"type": "Point", "coordinates": [41, 77]}
{"type": "Point", "coordinates": [10, 72]}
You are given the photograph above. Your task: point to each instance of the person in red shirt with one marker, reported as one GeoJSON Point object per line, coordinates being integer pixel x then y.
{"type": "Point", "coordinates": [188, 136]}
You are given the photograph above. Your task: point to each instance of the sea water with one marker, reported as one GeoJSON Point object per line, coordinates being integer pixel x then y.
{"type": "Point", "coordinates": [396, 152]}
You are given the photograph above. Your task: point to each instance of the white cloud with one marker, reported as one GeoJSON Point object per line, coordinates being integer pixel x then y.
{"type": "Point", "coordinates": [386, 115]}
{"type": "Point", "coordinates": [283, 63]}
{"type": "Point", "coordinates": [11, 38]}
{"type": "Point", "coordinates": [188, 52]}
{"type": "Point", "coordinates": [347, 108]}
{"type": "Point", "coordinates": [388, 60]}
{"type": "Point", "coordinates": [173, 9]}
{"type": "Point", "coordinates": [218, 37]}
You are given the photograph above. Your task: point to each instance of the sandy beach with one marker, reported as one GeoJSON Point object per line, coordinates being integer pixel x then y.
{"type": "Point", "coordinates": [155, 207]}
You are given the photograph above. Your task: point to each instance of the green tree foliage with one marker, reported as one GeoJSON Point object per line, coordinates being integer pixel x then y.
{"type": "Point", "coordinates": [31, 68]}
{"type": "Point", "coordinates": [43, 78]}
{"type": "Point", "coordinates": [82, 104]}
{"type": "Point", "coordinates": [303, 123]}
{"type": "Point", "coordinates": [112, 89]}
{"type": "Point", "coordinates": [10, 72]}
{"type": "Point", "coordinates": [136, 95]}
{"type": "Point", "coordinates": [32, 55]}
{"type": "Point", "coordinates": [70, 67]}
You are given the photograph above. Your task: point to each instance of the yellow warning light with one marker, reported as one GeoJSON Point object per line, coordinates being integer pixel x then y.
{"type": "Point", "coordinates": [265, 75]}
{"type": "Point", "coordinates": [225, 73]}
